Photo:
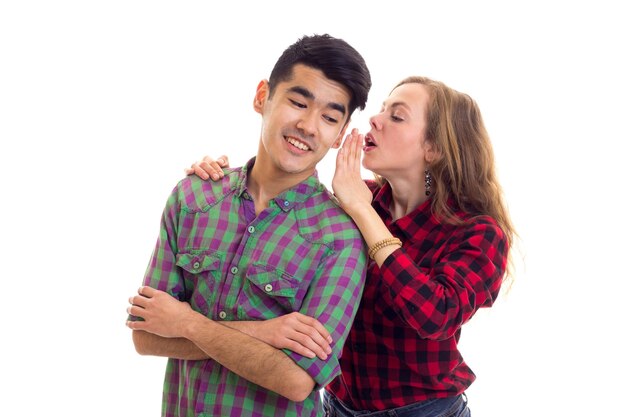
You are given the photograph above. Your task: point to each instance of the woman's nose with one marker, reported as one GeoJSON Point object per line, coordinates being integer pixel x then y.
{"type": "Point", "coordinates": [375, 122]}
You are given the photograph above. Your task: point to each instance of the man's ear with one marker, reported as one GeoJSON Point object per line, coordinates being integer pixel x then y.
{"type": "Point", "coordinates": [261, 95]}
{"type": "Point", "coordinates": [341, 135]}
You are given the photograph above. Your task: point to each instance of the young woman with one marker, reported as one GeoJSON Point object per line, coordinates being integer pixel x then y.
{"type": "Point", "coordinates": [438, 233]}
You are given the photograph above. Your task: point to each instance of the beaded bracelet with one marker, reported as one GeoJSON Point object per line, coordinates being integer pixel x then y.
{"type": "Point", "coordinates": [382, 243]}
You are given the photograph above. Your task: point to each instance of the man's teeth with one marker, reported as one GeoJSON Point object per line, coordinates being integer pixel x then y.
{"type": "Point", "coordinates": [298, 144]}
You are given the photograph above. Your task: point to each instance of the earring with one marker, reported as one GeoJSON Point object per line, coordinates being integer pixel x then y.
{"type": "Point", "coordinates": [428, 180]}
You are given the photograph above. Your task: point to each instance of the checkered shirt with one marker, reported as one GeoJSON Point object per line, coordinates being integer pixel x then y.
{"type": "Point", "coordinates": [302, 253]}
{"type": "Point", "coordinates": [403, 346]}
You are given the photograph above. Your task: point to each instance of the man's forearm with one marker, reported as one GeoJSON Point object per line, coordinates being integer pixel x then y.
{"type": "Point", "coordinates": [179, 348]}
{"type": "Point", "coordinates": [247, 327]}
{"type": "Point", "coordinates": [250, 358]}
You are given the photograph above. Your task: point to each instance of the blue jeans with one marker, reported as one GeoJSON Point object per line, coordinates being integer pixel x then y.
{"type": "Point", "coordinates": [441, 407]}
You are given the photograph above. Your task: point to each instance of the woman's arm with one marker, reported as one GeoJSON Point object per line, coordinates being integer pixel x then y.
{"type": "Point", "coordinates": [356, 198]}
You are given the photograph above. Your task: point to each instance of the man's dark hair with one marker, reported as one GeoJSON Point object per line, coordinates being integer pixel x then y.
{"type": "Point", "coordinates": [338, 61]}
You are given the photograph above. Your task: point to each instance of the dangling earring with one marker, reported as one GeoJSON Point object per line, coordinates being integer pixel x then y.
{"type": "Point", "coordinates": [428, 180]}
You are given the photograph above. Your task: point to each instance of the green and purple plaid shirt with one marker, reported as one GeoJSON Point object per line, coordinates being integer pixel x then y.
{"type": "Point", "coordinates": [303, 253]}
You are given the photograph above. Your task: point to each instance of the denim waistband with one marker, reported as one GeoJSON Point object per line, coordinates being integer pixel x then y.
{"type": "Point", "coordinates": [429, 408]}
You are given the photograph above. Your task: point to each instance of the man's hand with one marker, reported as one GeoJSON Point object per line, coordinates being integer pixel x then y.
{"type": "Point", "coordinates": [294, 331]}
{"type": "Point", "coordinates": [163, 315]}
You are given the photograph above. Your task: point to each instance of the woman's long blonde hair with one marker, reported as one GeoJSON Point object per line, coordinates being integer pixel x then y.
{"type": "Point", "coordinates": [465, 171]}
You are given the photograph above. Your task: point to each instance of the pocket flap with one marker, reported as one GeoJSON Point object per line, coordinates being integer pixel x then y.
{"type": "Point", "coordinates": [273, 281]}
{"type": "Point", "coordinates": [198, 262]}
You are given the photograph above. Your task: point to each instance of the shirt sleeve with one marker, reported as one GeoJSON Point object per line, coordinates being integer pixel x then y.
{"type": "Point", "coordinates": [333, 300]}
{"type": "Point", "coordinates": [465, 277]}
{"type": "Point", "coordinates": [162, 272]}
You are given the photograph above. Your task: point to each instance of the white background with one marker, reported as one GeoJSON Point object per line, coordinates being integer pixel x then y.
{"type": "Point", "coordinates": [103, 103]}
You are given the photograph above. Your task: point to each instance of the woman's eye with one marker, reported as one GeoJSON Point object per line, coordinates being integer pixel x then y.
{"type": "Point", "coordinates": [396, 118]}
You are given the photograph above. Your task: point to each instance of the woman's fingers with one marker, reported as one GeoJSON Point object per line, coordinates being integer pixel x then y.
{"type": "Point", "coordinates": [209, 168]}
{"type": "Point", "coordinates": [223, 161]}
{"type": "Point", "coordinates": [212, 169]}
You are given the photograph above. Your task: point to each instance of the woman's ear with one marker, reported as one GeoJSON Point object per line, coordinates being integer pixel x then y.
{"type": "Point", "coordinates": [261, 95]}
{"type": "Point", "coordinates": [431, 154]}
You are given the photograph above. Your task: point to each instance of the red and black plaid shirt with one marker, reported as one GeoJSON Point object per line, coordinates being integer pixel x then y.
{"type": "Point", "coordinates": [403, 344]}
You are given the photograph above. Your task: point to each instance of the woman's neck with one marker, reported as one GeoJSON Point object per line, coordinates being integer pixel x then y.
{"type": "Point", "coordinates": [406, 197]}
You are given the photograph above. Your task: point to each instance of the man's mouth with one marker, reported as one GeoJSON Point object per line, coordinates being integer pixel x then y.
{"type": "Point", "coordinates": [297, 143]}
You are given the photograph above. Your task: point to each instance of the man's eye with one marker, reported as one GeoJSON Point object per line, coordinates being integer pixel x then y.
{"type": "Point", "coordinates": [331, 119]}
{"type": "Point", "coordinates": [297, 104]}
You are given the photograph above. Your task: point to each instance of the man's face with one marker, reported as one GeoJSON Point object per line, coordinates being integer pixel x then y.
{"type": "Point", "coordinates": [305, 117]}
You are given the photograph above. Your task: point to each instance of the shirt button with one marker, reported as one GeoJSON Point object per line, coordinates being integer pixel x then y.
{"type": "Point", "coordinates": [246, 196]}
{"type": "Point", "coordinates": [222, 314]}
{"type": "Point", "coordinates": [234, 270]}
{"type": "Point", "coordinates": [196, 265]}
{"type": "Point", "coordinates": [286, 203]}
{"type": "Point", "coordinates": [268, 288]}
{"type": "Point", "coordinates": [250, 229]}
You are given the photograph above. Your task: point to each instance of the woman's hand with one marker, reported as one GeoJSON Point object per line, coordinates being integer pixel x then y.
{"type": "Point", "coordinates": [348, 186]}
{"type": "Point", "coordinates": [209, 167]}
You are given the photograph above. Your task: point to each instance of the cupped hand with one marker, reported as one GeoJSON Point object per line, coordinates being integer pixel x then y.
{"type": "Point", "coordinates": [209, 168]}
{"type": "Point", "coordinates": [348, 185]}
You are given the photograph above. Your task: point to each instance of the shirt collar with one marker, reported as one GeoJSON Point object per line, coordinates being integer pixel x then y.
{"type": "Point", "coordinates": [382, 199]}
{"type": "Point", "coordinates": [289, 198]}
{"type": "Point", "coordinates": [408, 225]}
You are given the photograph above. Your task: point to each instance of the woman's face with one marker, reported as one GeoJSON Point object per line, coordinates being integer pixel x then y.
{"type": "Point", "coordinates": [395, 144]}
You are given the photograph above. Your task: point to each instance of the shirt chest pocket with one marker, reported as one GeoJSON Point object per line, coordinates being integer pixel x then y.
{"type": "Point", "coordinates": [201, 272]}
{"type": "Point", "coordinates": [268, 293]}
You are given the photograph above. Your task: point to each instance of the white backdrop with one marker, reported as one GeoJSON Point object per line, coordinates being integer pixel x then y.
{"type": "Point", "coordinates": [102, 105]}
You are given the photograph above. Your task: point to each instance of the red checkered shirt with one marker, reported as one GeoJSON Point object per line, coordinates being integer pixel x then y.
{"type": "Point", "coordinates": [402, 347]}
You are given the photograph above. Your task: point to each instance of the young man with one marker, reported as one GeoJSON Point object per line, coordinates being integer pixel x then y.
{"type": "Point", "coordinates": [265, 243]}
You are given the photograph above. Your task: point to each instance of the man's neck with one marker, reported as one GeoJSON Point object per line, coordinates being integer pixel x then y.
{"type": "Point", "coordinates": [265, 182]}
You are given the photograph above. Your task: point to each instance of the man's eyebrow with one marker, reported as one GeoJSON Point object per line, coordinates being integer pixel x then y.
{"type": "Point", "coordinates": [302, 91]}
{"type": "Point", "coordinates": [306, 93]}
{"type": "Point", "coordinates": [339, 107]}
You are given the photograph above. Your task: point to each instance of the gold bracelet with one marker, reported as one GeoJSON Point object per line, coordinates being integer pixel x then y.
{"type": "Point", "coordinates": [382, 243]}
